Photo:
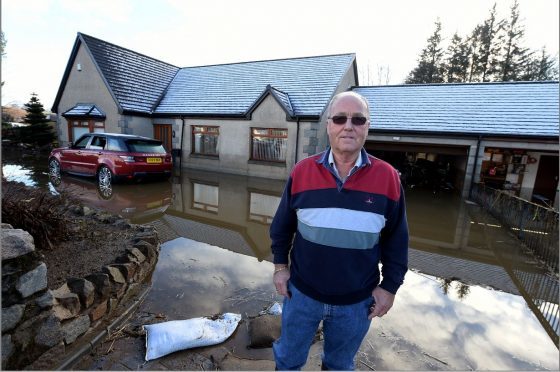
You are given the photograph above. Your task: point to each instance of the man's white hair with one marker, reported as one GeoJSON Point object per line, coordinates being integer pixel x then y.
{"type": "Point", "coordinates": [345, 94]}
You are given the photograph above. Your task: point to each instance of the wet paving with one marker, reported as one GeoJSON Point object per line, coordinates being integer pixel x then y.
{"type": "Point", "coordinates": [473, 299]}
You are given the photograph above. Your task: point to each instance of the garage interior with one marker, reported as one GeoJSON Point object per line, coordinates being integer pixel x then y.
{"type": "Point", "coordinates": [431, 167]}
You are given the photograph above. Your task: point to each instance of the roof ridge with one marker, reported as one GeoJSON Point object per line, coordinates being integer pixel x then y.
{"type": "Point", "coordinates": [464, 83]}
{"type": "Point", "coordinates": [270, 60]}
{"type": "Point", "coordinates": [127, 49]}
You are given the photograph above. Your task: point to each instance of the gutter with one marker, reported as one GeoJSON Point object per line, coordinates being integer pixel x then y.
{"type": "Point", "coordinates": [297, 142]}
{"type": "Point", "coordinates": [475, 164]}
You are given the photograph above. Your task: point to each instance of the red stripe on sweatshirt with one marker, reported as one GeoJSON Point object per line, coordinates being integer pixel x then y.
{"type": "Point", "coordinates": [379, 178]}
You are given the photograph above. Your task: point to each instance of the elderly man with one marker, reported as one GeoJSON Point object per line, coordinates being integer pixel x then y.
{"type": "Point", "coordinates": [342, 212]}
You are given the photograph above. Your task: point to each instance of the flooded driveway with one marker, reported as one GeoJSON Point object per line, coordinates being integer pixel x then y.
{"type": "Point", "coordinates": [471, 300]}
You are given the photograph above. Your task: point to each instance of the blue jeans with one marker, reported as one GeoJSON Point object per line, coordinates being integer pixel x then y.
{"type": "Point", "coordinates": [344, 328]}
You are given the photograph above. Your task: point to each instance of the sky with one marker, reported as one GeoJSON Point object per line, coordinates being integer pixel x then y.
{"type": "Point", "coordinates": [388, 34]}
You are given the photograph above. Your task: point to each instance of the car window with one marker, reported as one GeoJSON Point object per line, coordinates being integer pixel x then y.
{"type": "Point", "coordinates": [81, 143]}
{"type": "Point", "coordinates": [145, 146]}
{"type": "Point", "coordinates": [114, 144]}
{"type": "Point", "coordinates": [98, 141]}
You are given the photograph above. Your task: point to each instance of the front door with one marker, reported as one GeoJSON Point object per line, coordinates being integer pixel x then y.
{"type": "Point", "coordinates": [163, 133]}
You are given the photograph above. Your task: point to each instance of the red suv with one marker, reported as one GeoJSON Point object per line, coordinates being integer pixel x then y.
{"type": "Point", "coordinates": [108, 156]}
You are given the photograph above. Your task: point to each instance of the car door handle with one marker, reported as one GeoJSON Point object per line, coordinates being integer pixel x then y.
{"type": "Point", "coordinates": [79, 152]}
{"type": "Point", "coordinates": [99, 153]}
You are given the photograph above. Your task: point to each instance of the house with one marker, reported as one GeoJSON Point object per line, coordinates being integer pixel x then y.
{"type": "Point", "coordinates": [252, 118]}
{"type": "Point", "coordinates": [502, 134]}
{"type": "Point", "coordinates": [259, 118]}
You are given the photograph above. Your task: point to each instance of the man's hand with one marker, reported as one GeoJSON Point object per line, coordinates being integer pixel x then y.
{"type": "Point", "coordinates": [280, 279]}
{"type": "Point", "coordinates": [383, 302]}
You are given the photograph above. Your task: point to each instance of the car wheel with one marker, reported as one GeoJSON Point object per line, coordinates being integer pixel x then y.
{"type": "Point", "coordinates": [54, 172]}
{"type": "Point", "coordinates": [54, 168]}
{"type": "Point", "coordinates": [105, 180]}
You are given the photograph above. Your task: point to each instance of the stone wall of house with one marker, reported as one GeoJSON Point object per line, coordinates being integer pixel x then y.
{"type": "Point", "coordinates": [38, 323]}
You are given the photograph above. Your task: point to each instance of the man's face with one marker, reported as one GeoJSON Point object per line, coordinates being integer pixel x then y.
{"type": "Point", "coordinates": [347, 139]}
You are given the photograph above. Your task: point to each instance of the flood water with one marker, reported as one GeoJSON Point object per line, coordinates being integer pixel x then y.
{"type": "Point", "coordinates": [471, 300]}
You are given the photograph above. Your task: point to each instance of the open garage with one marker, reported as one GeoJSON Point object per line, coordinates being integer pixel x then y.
{"type": "Point", "coordinates": [433, 167]}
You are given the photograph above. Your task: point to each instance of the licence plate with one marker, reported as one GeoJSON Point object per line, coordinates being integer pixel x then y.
{"type": "Point", "coordinates": [153, 160]}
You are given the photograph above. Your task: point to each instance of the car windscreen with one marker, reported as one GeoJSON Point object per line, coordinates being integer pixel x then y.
{"type": "Point", "coordinates": [145, 146]}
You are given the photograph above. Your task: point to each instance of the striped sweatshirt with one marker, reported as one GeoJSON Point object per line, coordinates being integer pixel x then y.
{"type": "Point", "coordinates": [334, 234]}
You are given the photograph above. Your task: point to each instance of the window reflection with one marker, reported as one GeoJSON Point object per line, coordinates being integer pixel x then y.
{"type": "Point", "coordinates": [205, 197]}
{"type": "Point", "coordinates": [263, 207]}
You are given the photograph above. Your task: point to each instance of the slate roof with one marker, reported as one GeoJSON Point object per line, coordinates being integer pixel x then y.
{"type": "Point", "coordinates": [86, 111]}
{"type": "Point", "coordinates": [306, 84]}
{"type": "Point", "coordinates": [136, 82]}
{"type": "Point", "coordinates": [508, 109]}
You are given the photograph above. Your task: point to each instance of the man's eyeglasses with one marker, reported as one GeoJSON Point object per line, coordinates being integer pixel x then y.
{"type": "Point", "coordinates": [341, 120]}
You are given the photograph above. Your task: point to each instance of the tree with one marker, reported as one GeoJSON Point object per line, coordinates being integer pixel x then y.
{"type": "Point", "coordinates": [489, 48]}
{"type": "Point", "coordinates": [35, 111]}
{"type": "Point", "coordinates": [514, 56]}
{"type": "Point", "coordinates": [38, 132]}
{"type": "Point", "coordinates": [543, 67]}
{"type": "Point", "coordinates": [430, 67]}
{"type": "Point", "coordinates": [457, 66]}
{"type": "Point", "coordinates": [3, 42]}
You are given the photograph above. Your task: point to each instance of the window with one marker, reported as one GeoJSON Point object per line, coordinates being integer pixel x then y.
{"type": "Point", "coordinates": [205, 140]}
{"type": "Point", "coordinates": [115, 145]}
{"type": "Point", "coordinates": [205, 197]}
{"type": "Point", "coordinates": [269, 144]}
{"type": "Point", "coordinates": [82, 142]}
{"type": "Point", "coordinates": [99, 142]}
{"type": "Point", "coordinates": [263, 207]}
{"type": "Point", "coordinates": [78, 127]}
{"type": "Point", "coordinates": [145, 146]}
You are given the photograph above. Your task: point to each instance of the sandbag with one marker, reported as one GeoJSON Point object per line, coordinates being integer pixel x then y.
{"type": "Point", "coordinates": [168, 337]}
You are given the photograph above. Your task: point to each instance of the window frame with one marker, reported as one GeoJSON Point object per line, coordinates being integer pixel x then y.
{"type": "Point", "coordinates": [83, 123]}
{"type": "Point", "coordinates": [269, 135]}
{"type": "Point", "coordinates": [204, 132]}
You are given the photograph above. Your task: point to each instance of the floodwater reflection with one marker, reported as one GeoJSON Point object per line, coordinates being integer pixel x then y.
{"type": "Point", "coordinates": [473, 298]}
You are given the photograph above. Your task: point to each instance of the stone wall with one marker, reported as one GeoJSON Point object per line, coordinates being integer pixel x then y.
{"type": "Point", "coordinates": [39, 324]}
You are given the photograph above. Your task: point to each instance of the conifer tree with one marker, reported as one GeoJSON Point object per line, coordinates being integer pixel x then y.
{"type": "Point", "coordinates": [38, 132]}
{"type": "Point", "coordinates": [487, 64]}
{"type": "Point", "coordinates": [430, 67]}
{"type": "Point", "coordinates": [541, 67]}
{"type": "Point", "coordinates": [473, 42]}
{"type": "Point", "coordinates": [457, 66]}
{"type": "Point", "coordinates": [514, 56]}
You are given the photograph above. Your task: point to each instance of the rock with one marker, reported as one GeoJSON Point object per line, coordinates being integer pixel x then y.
{"type": "Point", "coordinates": [50, 332]}
{"type": "Point", "coordinates": [140, 257]}
{"type": "Point", "coordinates": [123, 224]}
{"type": "Point", "coordinates": [5, 226]}
{"type": "Point", "coordinates": [47, 300]}
{"type": "Point", "coordinates": [33, 281]}
{"type": "Point", "coordinates": [101, 283]}
{"type": "Point", "coordinates": [87, 211]}
{"type": "Point", "coordinates": [74, 328]}
{"type": "Point", "coordinates": [67, 303]}
{"type": "Point", "coordinates": [128, 270]}
{"type": "Point", "coordinates": [147, 249]}
{"type": "Point", "coordinates": [16, 243]}
{"type": "Point", "coordinates": [98, 311]}
{"type": "Point", "coordinates": [84, 289]}
{"type": "Point", "coordinates": [49, 359]}
{"type": "Point", "coordinates": [7, 349]}
{"type": "Point", "coordinates": [11, 317]}
{"type": "Point", "coordinates": [264, 330]}
{"type": "Point", "coordinates": [149, 237]}
{"type": "Point", "coordinates": [106, 218]}
{"type": "Point", "coordinates": [114, 273]}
